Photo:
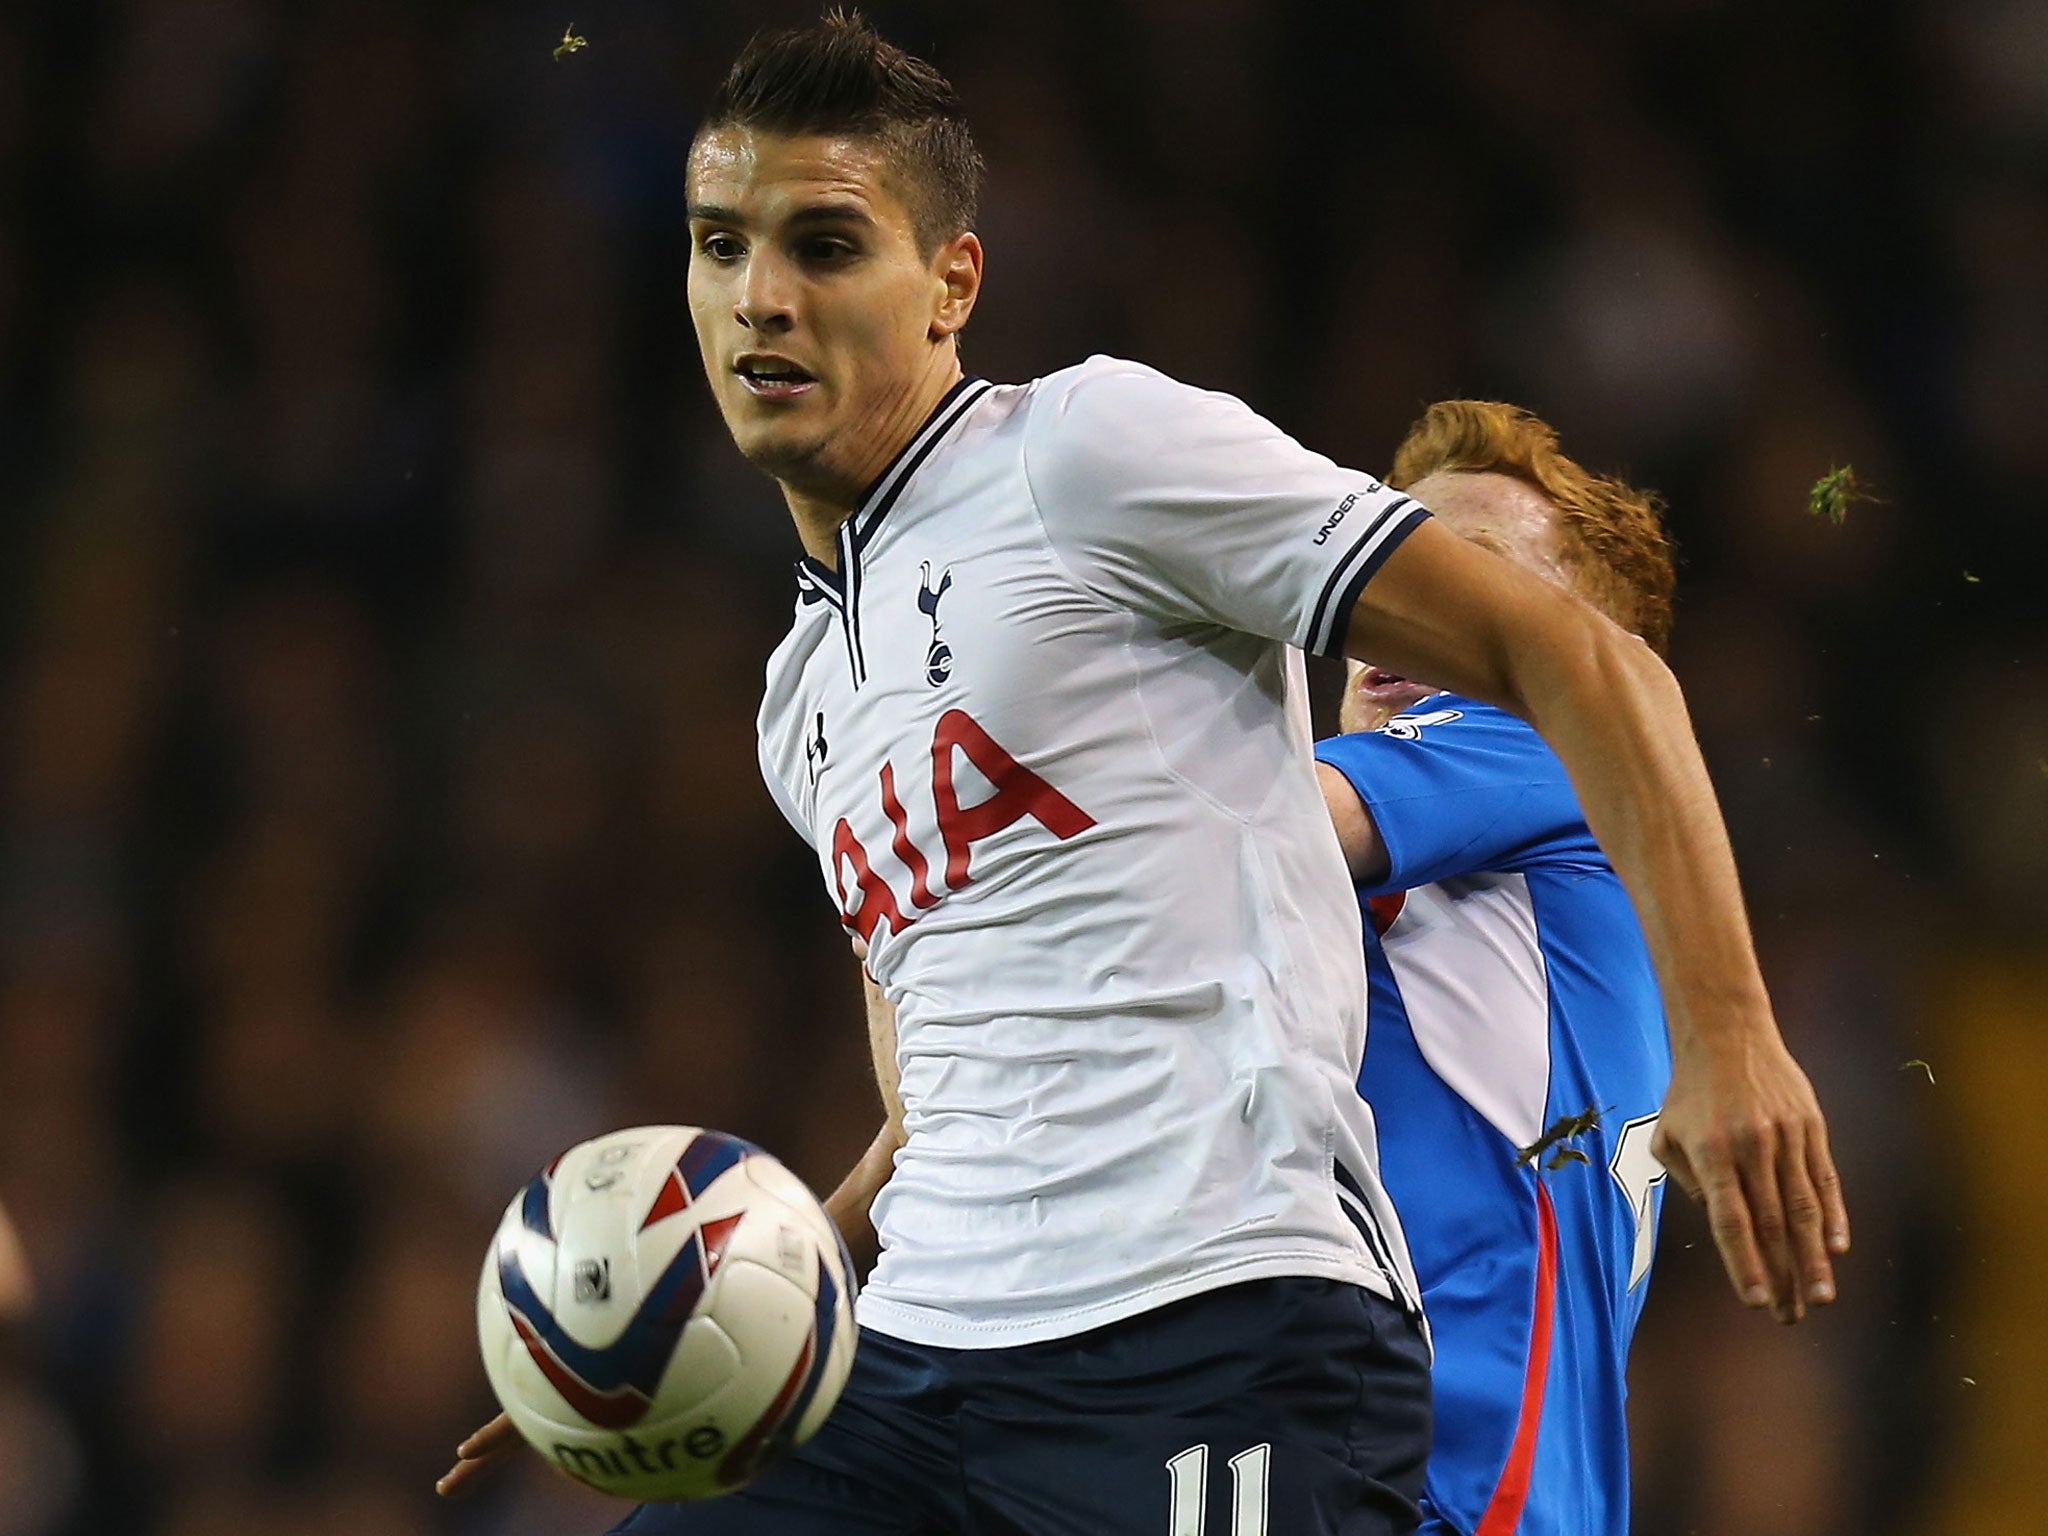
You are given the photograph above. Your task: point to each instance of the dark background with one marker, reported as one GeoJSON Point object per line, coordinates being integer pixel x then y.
{"type": "Point", "coordinates": [384, 612]}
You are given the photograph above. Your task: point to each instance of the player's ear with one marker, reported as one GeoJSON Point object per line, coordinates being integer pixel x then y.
{"type": "Point", "coordinates": [956, 271]}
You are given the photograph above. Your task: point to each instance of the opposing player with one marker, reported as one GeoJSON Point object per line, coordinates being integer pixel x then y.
{"type": "Point", "coordinates": [1517, 1047]}
{"type": "Point", "coordinates": [1037, 714]}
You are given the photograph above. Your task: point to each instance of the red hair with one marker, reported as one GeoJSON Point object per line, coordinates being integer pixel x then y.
{"type": "Point", "coordinates": [1612, 539]}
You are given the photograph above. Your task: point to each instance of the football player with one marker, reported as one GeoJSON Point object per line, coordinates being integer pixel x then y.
{"type": "Point", "coordinates": [1517, 1050]}
{"type": "Point", "coordinates": [1040, 716]}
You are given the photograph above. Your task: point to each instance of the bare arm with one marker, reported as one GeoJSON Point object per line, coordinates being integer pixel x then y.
{"type": "Point", "coordinates": [848, 1205]}
{"type": "Point", "coordinates": [1741, 1128]}
{"type": "Point", "coordinates": [1365, 854]}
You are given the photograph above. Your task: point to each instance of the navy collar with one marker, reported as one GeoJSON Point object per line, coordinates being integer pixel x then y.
{"type": "Point", "coordinates": [815, 579]}
{"type": "Point", "coordinates": [881, 495]}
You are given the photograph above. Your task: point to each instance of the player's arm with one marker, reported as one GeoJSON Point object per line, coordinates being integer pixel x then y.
{"type": "Point", "coordinates": [1365, 851]}
{"type": "Point", "coordinates": [849, 1204]}
{"type": "Point", "coordinates": [1741, 1128]}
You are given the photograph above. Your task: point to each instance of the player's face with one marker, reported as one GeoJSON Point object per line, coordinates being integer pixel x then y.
{"type": "Point", "coordinates": [1508, 516]}
{"type": "Point", "coordinates": [825, 333]}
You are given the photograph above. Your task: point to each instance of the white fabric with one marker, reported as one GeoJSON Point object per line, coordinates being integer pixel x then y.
{"type": "Point", "coordinates": [1129, 1030]}
{"type": "Point", "coordinates": [1470, 970]}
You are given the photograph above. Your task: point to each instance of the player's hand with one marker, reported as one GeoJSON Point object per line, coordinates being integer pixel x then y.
{"type": "Point", "coordinates": [475, 1455]}
{"type": "Point", "coordinates": [1742, 1133]}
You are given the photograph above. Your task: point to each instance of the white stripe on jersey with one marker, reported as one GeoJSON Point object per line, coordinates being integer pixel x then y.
{"type": "Point", "coordinates": [1052, 769]}
{"type": "Point", "coordinates": [1465, 957]}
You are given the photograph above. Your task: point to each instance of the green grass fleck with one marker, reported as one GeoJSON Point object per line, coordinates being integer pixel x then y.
{"type": "Point", "coordinates": [1834, 492]}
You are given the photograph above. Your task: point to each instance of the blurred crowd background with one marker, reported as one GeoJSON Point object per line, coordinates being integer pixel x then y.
{"type": "Point", "coordinates": [384, 613]}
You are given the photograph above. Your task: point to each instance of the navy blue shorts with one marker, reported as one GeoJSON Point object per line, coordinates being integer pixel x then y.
{"type": "Point", "coordinates": [1294, 1407]}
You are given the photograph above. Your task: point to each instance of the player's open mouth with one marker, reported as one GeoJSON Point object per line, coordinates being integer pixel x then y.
{"type": "Point", "coordinates": [772, 378]}
{"type": "Point", "coordinates": [1379, 686]}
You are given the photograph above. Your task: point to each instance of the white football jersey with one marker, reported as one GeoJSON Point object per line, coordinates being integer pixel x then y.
{"type": "Point", "coordinates": [1045, 729]}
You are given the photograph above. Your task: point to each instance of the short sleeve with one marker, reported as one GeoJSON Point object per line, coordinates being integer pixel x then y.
{"type": "Point", "coordinates": [1458, 788]}
{"type": "Point", "coordinates": [1187, 505]}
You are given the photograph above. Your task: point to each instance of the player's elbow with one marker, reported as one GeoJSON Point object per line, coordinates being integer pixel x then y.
{"type": "Point", "coordinates": [1588, 660]}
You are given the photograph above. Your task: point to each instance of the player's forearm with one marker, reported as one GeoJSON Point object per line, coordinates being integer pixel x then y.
{"type": "Point", "coordinates": [881, 1018]}
{"type": "Point", "coordinates": [851, 1204]}
{"type": "Point", "coordinates": [1614, 714]}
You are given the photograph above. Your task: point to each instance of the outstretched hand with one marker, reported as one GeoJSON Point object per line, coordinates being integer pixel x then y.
{"type": "Point", "coordinates": [475, 1456]}
{"type": "Point", "coordinates": [1742, 1133]}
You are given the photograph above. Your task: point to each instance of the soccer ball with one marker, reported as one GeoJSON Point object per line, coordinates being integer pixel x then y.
{"type": "Point", "coordinates": [666, 1312]}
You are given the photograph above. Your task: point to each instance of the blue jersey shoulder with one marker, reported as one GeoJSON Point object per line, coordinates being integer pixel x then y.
{"type": "Point", "coordinates": [1456, 786]}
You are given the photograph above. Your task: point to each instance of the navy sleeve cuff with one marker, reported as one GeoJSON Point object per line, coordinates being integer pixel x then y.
{"type": "Point", "coordinates": [1332, 619]}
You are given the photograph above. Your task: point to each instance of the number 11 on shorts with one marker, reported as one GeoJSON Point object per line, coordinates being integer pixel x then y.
{"type": "Point", "coordinates": [1190, 1473]}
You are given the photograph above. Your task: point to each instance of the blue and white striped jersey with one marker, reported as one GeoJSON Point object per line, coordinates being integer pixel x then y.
{"type": "Point", "coordinates": [1511, 994]}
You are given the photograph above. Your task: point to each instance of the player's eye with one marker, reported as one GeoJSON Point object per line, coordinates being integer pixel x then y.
{"type": "Point", "coordinates": [827, 249]}
{"type": "Point", "coordinates": [720, 247]}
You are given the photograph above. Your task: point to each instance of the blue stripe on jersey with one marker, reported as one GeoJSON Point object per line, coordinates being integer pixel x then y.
{"type": "Point", "coordinates": [1466, 793]}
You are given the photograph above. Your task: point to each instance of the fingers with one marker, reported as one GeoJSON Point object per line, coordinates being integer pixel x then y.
{"type": "Point", "coordinates": [1806, 1215]}
{"type": "Point", "coordinates": [475, 1456]}
{"type": "Point", "coordinates": [1719, 1189]}
{"type": "Point", "coordinates": [460, 1480]}
{"type": "Point", "coordinates": [1813, 1274]}
{"type": "Point", "coordinates": [1728, 1219]}
{"type": "Point", "coordinates": [1715, 1181]}
{"type": "Point", "coordinates": [493, 1437]}
{"type": "Point", "coordinates": [1755, 1152]}
{"type": "Point", "coordinates": [1762, 1159]}
{"type": "Point", "coordinates": [1827, 1184]}
{"type": "Point", "coordinates": [1774, 1206]}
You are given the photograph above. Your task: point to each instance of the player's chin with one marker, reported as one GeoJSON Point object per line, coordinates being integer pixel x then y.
{"type": "Point", "coordinates": [1355, 715]}
{"type": "Point", "coordinates": [777, 445]}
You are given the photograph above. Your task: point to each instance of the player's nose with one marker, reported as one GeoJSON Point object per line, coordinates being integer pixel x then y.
{"type": "Point", "coordinates": [765, 300]}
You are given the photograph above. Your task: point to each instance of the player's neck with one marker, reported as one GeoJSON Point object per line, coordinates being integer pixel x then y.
{"type": "Point", "coordinates": [819, 508]}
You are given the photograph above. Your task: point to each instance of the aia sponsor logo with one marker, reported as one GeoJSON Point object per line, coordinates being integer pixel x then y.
{"type": "Point", "coordinates": [866, 901]}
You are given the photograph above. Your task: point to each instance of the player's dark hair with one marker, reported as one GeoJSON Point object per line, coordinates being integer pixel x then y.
{"type": "Point", "coordinates": [1612, 538]}
{"type": "Point", "coordinates": [842, 77]}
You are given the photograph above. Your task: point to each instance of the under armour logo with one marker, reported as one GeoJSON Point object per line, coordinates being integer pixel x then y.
{"type": "Point", "coordinates": [938, 661]}
{"type": "Point", "coordinates": [814, 749]}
